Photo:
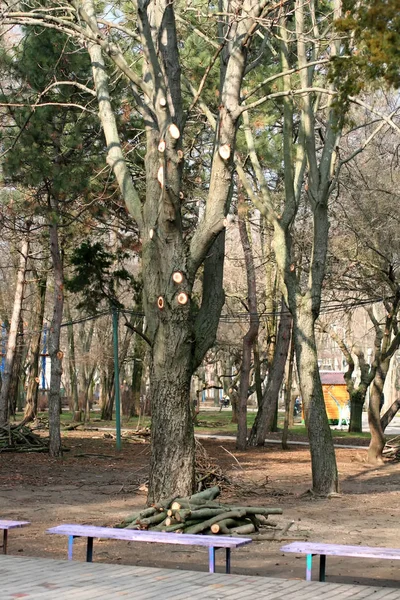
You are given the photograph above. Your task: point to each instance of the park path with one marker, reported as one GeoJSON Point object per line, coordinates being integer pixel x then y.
{"type": "Point", "coordinates": [46, 579]}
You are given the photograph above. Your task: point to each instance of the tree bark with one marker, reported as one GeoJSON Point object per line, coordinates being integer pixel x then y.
{"type": "Point", "coordinates": [264, 420]}
{"type": "Point", "coordinates": [289, 405]}
{"type": "Point", "coordinates": [55, 448]}
{"type": "Point", "coordinates": [378, 440]}
{"type": "Point", "coordinates": [172, 435]}
{"type": "Point", "coordinates": [357, 400]}
{"type": "Point", "coordinates": [324, 469]}
{"type": "Point", "coordinates": [73, 377]}
{"type": "Point", "coordinates": [251, 335]}
{"type": "Point", "coordinates": [30, 412]}
{"type": "Point", "coordinates": [390, 414]}
{"type": "Point", "coordinates": [12, 334]}
{"type": "Point", "coordinates": [17, 376]}
{"type": "Point", "coordinates": [137, 374]}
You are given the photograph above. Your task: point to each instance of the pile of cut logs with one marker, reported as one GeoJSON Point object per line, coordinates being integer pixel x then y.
{"type": "Point", "coordinates": [201, 514]}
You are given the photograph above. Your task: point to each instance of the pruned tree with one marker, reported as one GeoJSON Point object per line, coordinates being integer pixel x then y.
{"type": "Point", "coordinates": [179, 335]}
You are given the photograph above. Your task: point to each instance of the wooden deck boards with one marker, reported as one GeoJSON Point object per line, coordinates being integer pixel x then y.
{"type": "Point", "coordinates": [45, 579]}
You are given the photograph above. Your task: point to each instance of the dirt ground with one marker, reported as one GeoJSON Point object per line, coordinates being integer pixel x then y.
{"type": "Point", "coordinates": [94, 484]}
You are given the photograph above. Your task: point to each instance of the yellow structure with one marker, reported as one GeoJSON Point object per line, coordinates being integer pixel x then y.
{"type": "Point", "coordinates": [336, 396]}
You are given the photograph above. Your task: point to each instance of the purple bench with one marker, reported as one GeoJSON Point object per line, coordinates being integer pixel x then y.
{"type": "Point", "coordinates": [323, 550]}
{"type": "Point", "coordinates": [212, 542]}
{"type": "Point", "coordinates": [6, 525]}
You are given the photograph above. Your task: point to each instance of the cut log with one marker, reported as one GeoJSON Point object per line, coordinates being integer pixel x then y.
{"type": "Point", "coordinates": [223, 526]}
{"type": "Point", "coordinates": [154, 520]}
{"type": "Point", "coordinates": [244, 529]}
{"type": "Point", "coordinates": [256, 510]}
{"type": "Point", "coordinates": [130, 519]}
{"type": "Point", "coordinates": [233, 514]}
{"type": "Point", "coordinates": [199, 498]}
{"type": "Point", "coordinates": [207, 513]}
{"type": "Point", "coordinates": [164, 504]}
{"type": "Point", "coordinates": [182, 515]}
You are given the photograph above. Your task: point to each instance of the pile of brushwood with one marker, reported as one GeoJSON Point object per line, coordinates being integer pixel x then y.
{"type": "Point", "coordinates": [19, 438]}
{"type": "Point", "coordinates": [208, 473]}
{"type": "Point", "coordinates": [200, 513]}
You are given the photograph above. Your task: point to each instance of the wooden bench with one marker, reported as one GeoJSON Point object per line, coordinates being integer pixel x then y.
{"type": "Point", "coordinates": [212, 542]}
{"type": "Point", "coordinates": [6, 525]}
{"type": "Point", "coordinates": [324, 550]}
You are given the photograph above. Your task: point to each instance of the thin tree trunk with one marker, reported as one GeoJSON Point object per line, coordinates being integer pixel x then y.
{"type": "Point", "coordinates": [30, 412]}
{"type": "Point", "coordinates": [137, 374]}
{"type": "Point", "coordinates": [257, 371]}
{"type": "Point", "coordinates": [251, 335]}
{"type": "Point", "coordinates": [378, 441]}
{"type": "Point", "coordinates": [71, 361]}
{"type": "Point", "coordinates": [16, 378]}
{"type": "Point", "coordinates": [288, 397]}
{"type": "Point", "coordinates": [87, 402]}
{"type": "Point", "coordinates": [55, 448]}
{"type": "Point", "coordinates": [266, 413]}
{"type": "Point", "coordinates": [12, 335]}
{"type": "Point", "coordinates": [323, 460]}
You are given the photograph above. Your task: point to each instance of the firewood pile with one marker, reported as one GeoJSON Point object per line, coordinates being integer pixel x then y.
{"type": "Point", "coordinates": [19, 438]}
{"type": "Point", "coordinates": [392, 448]}
{"type": "Point", "coordinates": [200, 513]}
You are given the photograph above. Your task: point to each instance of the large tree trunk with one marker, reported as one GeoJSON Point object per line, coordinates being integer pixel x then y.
{"type": "Point", "coordinates": [357, 400]}
{"type": "Point", "coordinates": [30, 412]}
{"type": "Point", "coordinates": [324, 469]}
{"type": "Point", "coordinates": [172, 436]}
{"type": "Point", "coordinates": [12, 334]}
{"type": "Point", "coordinates": [55, 448]}
{"type": "Point", "coordinates": [267, 410]}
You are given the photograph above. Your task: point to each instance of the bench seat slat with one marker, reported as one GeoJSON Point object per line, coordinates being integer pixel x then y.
{"type": "Point", "coordinates": [150, 536]}
{"type": "Point", "coordinates": [12, 524]}
{"type": "Point", "coordinates": [342, 550]}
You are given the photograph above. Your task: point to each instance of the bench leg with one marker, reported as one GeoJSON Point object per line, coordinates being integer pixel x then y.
{"type": "Point", "coordinates": [70, 546]}
{"type": "Point", "coordinates": [228, 560]}
{"type": "Point", "coordinates": [309, 567]}
{"type": "Point", "coordinates": [5, 539]}
{"type": "Point", "coordinates": [89, 550]}
{"type": "Point", "coordinates": [322, 567]}
{"type": "Point", "coordinates": [211, 560]}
